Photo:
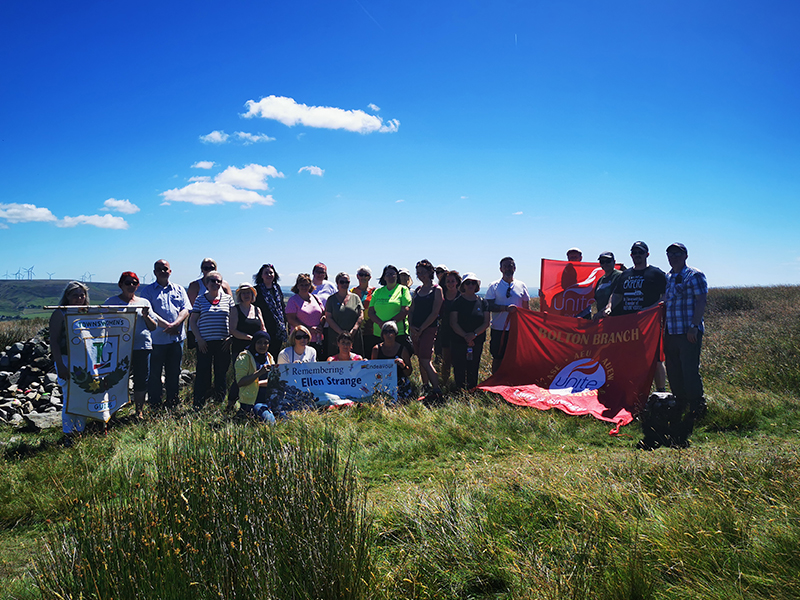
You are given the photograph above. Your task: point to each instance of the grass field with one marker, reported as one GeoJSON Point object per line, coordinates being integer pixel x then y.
{"type": "Point", "coordinates": [477, 499]}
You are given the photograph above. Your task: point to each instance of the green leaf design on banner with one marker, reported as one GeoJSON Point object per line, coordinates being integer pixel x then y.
{"type": "Point", "coordinates": [92, 385]}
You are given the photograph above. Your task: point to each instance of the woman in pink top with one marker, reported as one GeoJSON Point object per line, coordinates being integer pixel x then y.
{"type": "Point", "coordinates": [304, 308]}
{"type": "Point", "coordinates": [345, 341]}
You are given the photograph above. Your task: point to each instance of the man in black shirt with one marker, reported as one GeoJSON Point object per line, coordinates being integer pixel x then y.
{"type": "Point", "coordinates": [640, 287]}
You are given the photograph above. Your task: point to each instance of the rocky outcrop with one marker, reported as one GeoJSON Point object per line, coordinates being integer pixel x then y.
{"type": "Point", "coordinates": [28, 383]}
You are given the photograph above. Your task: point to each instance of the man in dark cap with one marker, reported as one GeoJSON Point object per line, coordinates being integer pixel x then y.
{"type": "Point", "coordinates": [640, 287]}
{"type": "Point", "coordinates": [605, 285]}
{"type": "Point", "coordinates": [685, 300]}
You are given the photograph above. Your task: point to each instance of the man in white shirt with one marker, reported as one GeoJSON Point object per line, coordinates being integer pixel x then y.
{"type": "Point", "coordinates": [504, 296]}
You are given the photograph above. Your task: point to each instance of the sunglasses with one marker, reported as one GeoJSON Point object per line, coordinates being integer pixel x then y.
{"type": "Point", "coordinates": [302, 336]}
{"type": "Point", "coordinates": [215, 281]}
{"type": "Point", "coordinates": [508, 291]}
{"type": "Point", "coordinates": [207, 267]}
{"type": "Point", "coordinates": [131, 283]}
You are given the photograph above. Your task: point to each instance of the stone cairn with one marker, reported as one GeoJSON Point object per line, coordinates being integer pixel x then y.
{"type": "Point", "coordinates": [29, 392]}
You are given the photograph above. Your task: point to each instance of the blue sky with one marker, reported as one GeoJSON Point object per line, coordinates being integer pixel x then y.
{"type": "Point", "coordinates": [368, 132]}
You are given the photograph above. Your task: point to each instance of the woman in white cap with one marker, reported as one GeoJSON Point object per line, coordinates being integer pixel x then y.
{"type": "Point", "coordinates": [469, 320]}
{"type": "Point", "coordinates": [246, 320]}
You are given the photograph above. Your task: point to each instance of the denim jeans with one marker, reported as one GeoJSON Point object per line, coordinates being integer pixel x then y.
{"type": "Point", "coordinates": [166, 357]}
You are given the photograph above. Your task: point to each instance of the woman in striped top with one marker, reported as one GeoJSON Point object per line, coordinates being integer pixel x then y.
{"type": "Point", "coordinates": [210, 322]}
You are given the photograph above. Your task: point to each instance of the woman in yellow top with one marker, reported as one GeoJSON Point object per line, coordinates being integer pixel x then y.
{"type": "Point", "coordinates": [252, 375]}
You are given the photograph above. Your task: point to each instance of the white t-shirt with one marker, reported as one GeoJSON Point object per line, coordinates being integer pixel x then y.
{"type": "Point", "coordinates": [288, 356]}
{"type": "Point", "coordinates": [499, 292]}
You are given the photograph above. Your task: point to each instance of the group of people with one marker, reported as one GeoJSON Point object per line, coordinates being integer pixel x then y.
{"type": "Point", "coordinates": [684, 293]}
{"type": "Point", "coordinates": [254, 327]}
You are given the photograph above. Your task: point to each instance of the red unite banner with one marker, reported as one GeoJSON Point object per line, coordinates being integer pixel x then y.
{"type": "Point", "coordinates": [601, 368]}
{"type": "Point", "coordinates": [567, 288]}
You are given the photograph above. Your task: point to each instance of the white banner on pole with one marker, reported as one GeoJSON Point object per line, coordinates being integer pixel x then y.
{"type": "Point", "coordinates": [99, 346]}
{"type": "Point", "coordinates": [354, 379]}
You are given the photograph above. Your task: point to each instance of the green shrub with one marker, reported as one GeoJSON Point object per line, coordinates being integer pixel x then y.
{"type": "Point", "coordinates": [228, 514]}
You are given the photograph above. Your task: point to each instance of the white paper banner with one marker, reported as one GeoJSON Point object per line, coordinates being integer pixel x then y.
{"type": "Point", "coordinates": [355, 379]}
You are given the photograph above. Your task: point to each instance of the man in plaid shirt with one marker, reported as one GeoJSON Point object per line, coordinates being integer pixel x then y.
{"type": "Point", "coordinates": [685, 301]}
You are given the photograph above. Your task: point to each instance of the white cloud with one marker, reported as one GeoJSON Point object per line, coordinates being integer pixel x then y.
{"type": "Point", "coordinates": [252, 138]}
{"type": "Point", "coordinates": [290, 113]}
{"type": "Point", "coordinates": [251, 177]}
{"type": "Point", "coordinates": [399, 201]}
{"type": "Point", "coordinates": [374, 107]}
{"type": "Point", "coordinates": [205, 193]}
{"type": "Point", "coordinates": [215, 137]}
{"type": "Point", "coordinates": [464, 197]}
{"type": "Point", "coordinates": [204, 164]}
{"type": "Point", "coordinates": [3, 226]}
{"type": "Point", "coordinates": [25, 213]}
{"type": "Point", "coordinates": [517, 213]}
{"type": "Point", "coordinates": [102, 221]}
{"type": "Point", "coordinates": [123, 206]}
{"type": "Point", "coordinates": [233, 185]}
{"type": "Point", "coordinates": [200, 178]}
{"type": "Point", "coordinates": [313, 170]}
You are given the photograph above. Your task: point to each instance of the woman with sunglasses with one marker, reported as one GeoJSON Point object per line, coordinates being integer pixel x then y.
{"type": "Point", "coordinates": [304, 308]}
{"type": "Point", "coordinates": [142, 344]}
{"type": "Point", "coordinates": [451, 281]}
{"type": "Point", "coordinates": [269, 301]}
{"type": "Point", "coordinates": [424, 320]}
{"type": "Point", "coordinates": [469, 320]}
{"type": "Point", "coordinates": [210, 322]}
{"type": "Point", "coordinates": [245, 322]}
{"type": "Point", "coordinates": [75, 294]}
{"type": "Point", "coordinates": [198, 286]}
{"type": "Point", "coordinates": [343, 314]}
{"type": "Point", "coordinates": [298, 350]}
{"type": "Point", "coordinates": [391, 302]}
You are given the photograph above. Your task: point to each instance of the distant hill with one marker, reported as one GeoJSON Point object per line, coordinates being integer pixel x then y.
{"type": "Point", "coordinates": [22, 299]}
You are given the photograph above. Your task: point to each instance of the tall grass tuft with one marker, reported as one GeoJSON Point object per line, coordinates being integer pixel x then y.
{"type": "Point", "coordinates": [19, 330]}
{"type": "Point", "coordinates": [228, 514]}
{"type": "Point", "coordinates": [753, 338]}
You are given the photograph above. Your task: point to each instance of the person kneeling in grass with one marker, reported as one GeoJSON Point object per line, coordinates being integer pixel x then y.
{"type": "Point", "coordinates": [252, 375]}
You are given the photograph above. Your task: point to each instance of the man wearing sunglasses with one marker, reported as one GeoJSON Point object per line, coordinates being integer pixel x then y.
{"type": "Point", "coordinates": [170, 309]}
{"type": "Point", "coordinates": [504, 296]}
{"type": "Point", "coordinates": [640, 287]}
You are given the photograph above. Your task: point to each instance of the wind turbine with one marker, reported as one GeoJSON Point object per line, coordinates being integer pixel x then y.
{"type": "Point", "coordinates": [90, 277]}
{"type": "Point", "coordinates": [30, 272]}
{"type": "Point", "coordinates": [49, 274]}
{"type": "Point", "coordinates": [6, 275]}
{"type": "Point", "coordinates": [18, 274]}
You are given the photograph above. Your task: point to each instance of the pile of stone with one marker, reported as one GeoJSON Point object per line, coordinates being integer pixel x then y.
{"type": "Point", "coordinates": [28, 389]}
{"type": "Point", "coordinates": [29, 394]}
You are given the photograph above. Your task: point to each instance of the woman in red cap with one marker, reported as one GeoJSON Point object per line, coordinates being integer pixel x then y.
{"type": "Point", "coordinates": [140, 357]}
